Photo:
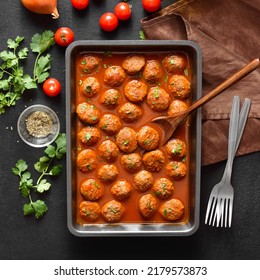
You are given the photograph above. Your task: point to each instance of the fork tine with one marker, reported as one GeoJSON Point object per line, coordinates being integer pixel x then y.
{"type": "Point", "coordinates": [230, 212]}
{"type": "Point", "coordinates": [213, 207]}
{"type": "Point", "coordinates": [226, 210]}
{"type": "Point", "coordinates": [208, 208]}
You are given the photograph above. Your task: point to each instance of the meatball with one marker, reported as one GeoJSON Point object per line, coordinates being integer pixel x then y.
{"type": "Point", "coordinates": [143, 180]}
{"type": "Point", "coordinates": [179, 86]}
{"type": "Point", "coordinates": [129, 112]}
{"type": "Point", "coordinates": [172, 210]}
{"type": "Point", "coordinates": [114, 76]}
{"type": "Point", "coordinates": [163, 188]}
{"type": "Point", "coordinates": [113, 211]}
{"type": "Point", "coordinates": [89, 135]}
{"type": "Point", "coordinates": [87, 160]}
{"type": "Point", "coordinates": [89, 63]}
{"type": "Point", "coordinates": [154, 160]}
{"type": "Point", "coordinates": [92, 190]}
{"type": "Point", "coordinates": [152, 71]}
{"type": "Point", "coordinates": [90, 87]}
{"type": "Point", "coordinates": [126, 140]}
{"type": "Point", "coordinates": [175, 63]}
{"type": "Point", "coordinates": [107, 173]}
{"type": "Point", "coordinates": [88, 113]}
{"type": "Point", "coordinates": [176, 170]}
{"type": "Point", "coordinates": [158, 99]}
{"type": "Point", "coordinates": [177, 106]}
{"type": "Point", "coordinates": [135, 90]}
{"type": "Point", "coordinates": [108, 150]}
{"type": "Point", "coordinates": [148, 138]}
{"type": "Point", "coordinates": [132, 64]}
{"type": "Point", "coordinates": [90, 211]}
{"type": "Point", "coordinates": [132, 162]}
{"type": "Point", "coordinates": [147, 205]}
{"type": "Point", "coordinates": [110, 98]}
{"type": "Point", "coordinates": [176, 149]}
{"type": "Point", "coordinates": [121, 190]}
{"type": "Point", "coordinates": [110, 124]}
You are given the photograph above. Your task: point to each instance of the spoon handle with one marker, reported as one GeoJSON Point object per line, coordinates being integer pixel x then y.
{"type": "Point", "coordinates": [254, 64]}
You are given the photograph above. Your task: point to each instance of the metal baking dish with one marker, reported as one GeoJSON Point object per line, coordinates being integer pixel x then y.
{"type": "Point", "coordinates": [134, 229]}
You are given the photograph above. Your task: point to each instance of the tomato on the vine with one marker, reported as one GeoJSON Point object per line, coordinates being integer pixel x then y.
{"type": "Point", "coordinates": [108, 21]}
{"type": "Point", "coordinates": [122, 11]}
{"type": "Point", "coordinates": [80, 4]}
{"type": "Point", "coordinates": [64, 36]}
{"type": "Point", "coordinates": [151, 5]}
{"type": "Point", "coordinates": [52, 87]}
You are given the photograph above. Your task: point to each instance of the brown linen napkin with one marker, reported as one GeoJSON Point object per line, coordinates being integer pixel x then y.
{"type": "Point", "coordinates": [228, 33]}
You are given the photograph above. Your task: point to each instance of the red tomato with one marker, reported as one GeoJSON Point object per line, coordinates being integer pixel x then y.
{"type": "Point", "coordinates": [122, 11]}
{"type": "Point", "coordinates": [151, 5]}
{"type": "Point", "coordinates": [108, 21]}
{"type": "Point", "coordinates": [52, 87]}
{"type": "Point", "coordinates": [80, 4]}
{"type": "Point", "coordinates": [64, 36]}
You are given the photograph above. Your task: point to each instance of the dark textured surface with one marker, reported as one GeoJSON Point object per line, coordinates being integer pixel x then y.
{"type": "Point", "coordinates": [48, 238]}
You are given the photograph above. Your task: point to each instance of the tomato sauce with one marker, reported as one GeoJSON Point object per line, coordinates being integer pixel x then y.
{"type": "Point", "coordinates": [182, 187]}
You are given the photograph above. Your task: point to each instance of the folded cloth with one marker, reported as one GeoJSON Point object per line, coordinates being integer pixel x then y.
{"type": "Point", "coordinates": [228, 33]}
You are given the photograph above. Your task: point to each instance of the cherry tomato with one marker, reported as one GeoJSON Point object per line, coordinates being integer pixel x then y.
{"type": "Point", "coordinates": [80, 4]}
{"type": "Point", "coordinates": [108, 21]}
{"type": "Point", "coordinates": [64, 36]}
{"type": "Point", "coordinates": [151, 5]}
{"type": "Point", "coordinates": [122, 11]}
{"type": "Point", "coordinates": [52, 87]}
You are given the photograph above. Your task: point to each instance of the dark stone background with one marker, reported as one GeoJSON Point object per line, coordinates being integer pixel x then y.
{"type": "Point", "coordinates": [48, 238]}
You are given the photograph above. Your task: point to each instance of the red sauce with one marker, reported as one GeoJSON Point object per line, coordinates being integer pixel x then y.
{"type": "Point", "coordinates": [182, 187]}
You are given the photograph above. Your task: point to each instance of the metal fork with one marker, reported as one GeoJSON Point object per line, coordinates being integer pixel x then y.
{"type": "Point", "coordinates": [220, 205]}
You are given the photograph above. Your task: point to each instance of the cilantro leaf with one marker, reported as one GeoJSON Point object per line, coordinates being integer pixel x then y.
{"type": "Point", "coordinates": [61, 145]}
{"type": "Point", "coordinates": [42, 68]}
{"type": "Point", "coordinates": [42, 42]}
{"type": "Point", "coordinates": [43, 186]}
{"type": "Point", "coordinates": [38, 208]}
{"type": "Point", "coordinates": [56, 170]}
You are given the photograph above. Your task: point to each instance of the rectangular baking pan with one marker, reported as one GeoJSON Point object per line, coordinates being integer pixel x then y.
{"type": "Point", "coordinates": [134, 229]}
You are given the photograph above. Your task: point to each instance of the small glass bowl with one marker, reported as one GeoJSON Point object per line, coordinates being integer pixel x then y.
{"type": "Point", "coordinates": [36, 141]}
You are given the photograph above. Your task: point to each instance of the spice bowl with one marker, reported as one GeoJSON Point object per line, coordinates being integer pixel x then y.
{"type": "Point", "coordinates": [38, 125]}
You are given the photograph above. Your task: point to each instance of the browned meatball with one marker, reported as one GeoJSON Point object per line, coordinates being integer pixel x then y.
{"type": "Point", "coordinates": [92, 190]}
{"type": "Point", "coordinates": [90, 211]}
{"type": "Point", "coordinates": [90, 87]}
{"type": "Point", "coordinates": [179, 86]}
{"type": "Point", "coordinates": [172, 210]}
{"type": "Point", "coordinates": [175, 63]}
{"type": "Point", "coordinates": [107, 173]}
{"type": "Point", "coordinates": [132, 162]}
{"type": "Point", "coordinates": [129, 112]}
{"type": "Point", "coordinates": [158, 99]}
{"type": "Point", "coordinates": [87, 160]}
{"type": "Point", "coordinates": [143, 180]}
{"type": "Point", "coordinates": [176, 149]}
{"type": "Point", "coordinates": [114, 76]}
{"type": "Point", "coordinates": [148, 138]}
{"type": "Point", "coordinates": [147, 205]}
{"type": "Point", "coordinates": [110, 124]}
{"type": "Point", "coordinates": [108, 150]}
{"type": "Point", "coordinates": [133, 64]}
{"type": "Point", "coordinates": [154, 160]}
{"type": "Point", "coordinates": [89, 63]}
{"type": "Point", "coordinates": [110, 98]}
{"type": "Point", "coordinates": [89, 135]}
{"type": "Point", "coordinates": [88, 113]}
{"type": "Point", "coordinates": [126, 140]}
{"type": "Point", "coordinates": [177, 106]}
{"type": "Point", "coordinates": [176, 170]}
{"type": "Point", "coordinates": [152, 71]}
{"type": "Point", "coordinates": [113, 211]}
{"type": "Point", "coordinates": [135, 90]}
{"type": "Point", "coordinates": [121, 190]}
{"type": "Point", "coordinates": [163, 188]}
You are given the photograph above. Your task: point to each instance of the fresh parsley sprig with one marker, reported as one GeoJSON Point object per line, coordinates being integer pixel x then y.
{"type": "Point", "coordinates": [13, 80]}
{"type": "Point", "coordinates": [46, 167]}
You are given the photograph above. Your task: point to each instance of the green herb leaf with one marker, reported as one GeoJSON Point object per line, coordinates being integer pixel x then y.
{"type": "Point", "coordinates": [43, 186]}
{"type": "Point", "coordinates": [42, 42]}
{"type": "Point", "coordinates": [42, 68]}
{"type": "Point", "coordinates": [56, 170]}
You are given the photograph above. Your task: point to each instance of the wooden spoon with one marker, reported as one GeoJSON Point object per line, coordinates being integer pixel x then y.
{"type": "Point", "coordinates": [170, 123]}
